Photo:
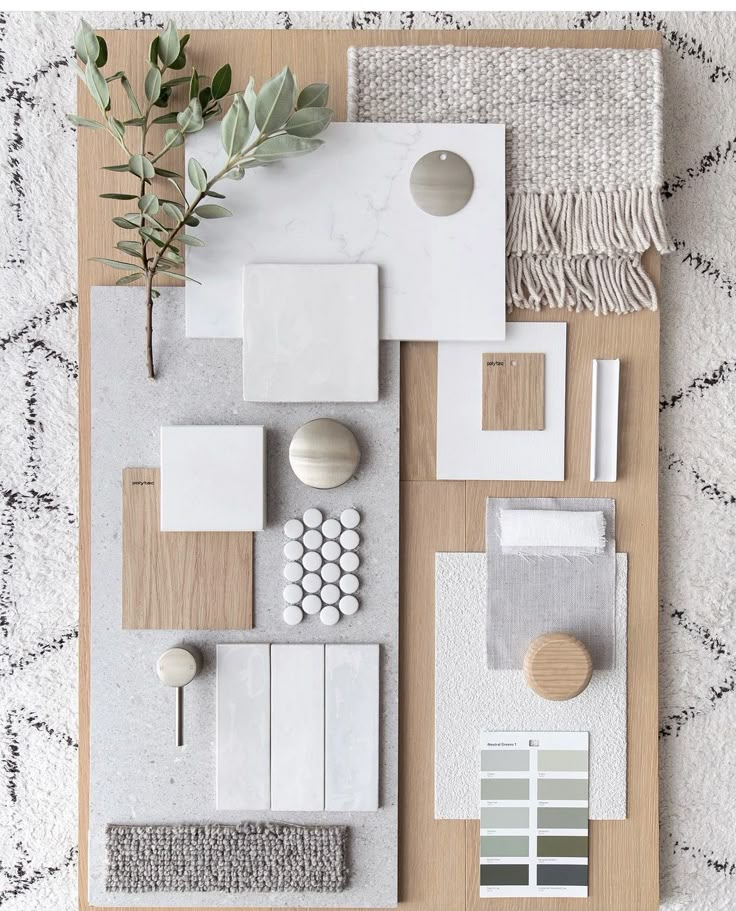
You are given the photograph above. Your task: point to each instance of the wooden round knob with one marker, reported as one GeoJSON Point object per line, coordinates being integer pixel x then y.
{"type": "Point", "coordinates": [557, 666]}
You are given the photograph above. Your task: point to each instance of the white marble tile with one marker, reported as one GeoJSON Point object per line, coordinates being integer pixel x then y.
{"type": "Point", "coordinates": [213, 478]}
{"type": "Point", "coordinates": [351, 727]}
{"type": "Point", "coordinates": [350, 201]}
{"type": "Point", "coordinates": [467, 452]}
{"type": "Point", "coordinates": [310, 333]}
{"type": "Point", "coordinates": [297, 727]}
{"type": "Point", "coordinates": [243, 751]}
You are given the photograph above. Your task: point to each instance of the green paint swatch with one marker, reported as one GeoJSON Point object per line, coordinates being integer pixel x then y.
{"type": "Point", "coordinates": [562, 846]}
{"type": "Point", "coordinates": [504, 789]}
{"type": "Point", "coordinates": [562, 788]}
{"type": "Point", "coordinates": [504, 874]}
{"type": "Point", "coordinates": [562, 818]}
{"type": "Point", "coordinates": [504, 846]}
{"type": "Point", "coordinates": [562, 760]}
{"type": "Point", "coordinates": [504, 760]}
{"type": "Point", "coordinates": [562, 874]}
{"type": "Point", "coordinates": [504, 817]}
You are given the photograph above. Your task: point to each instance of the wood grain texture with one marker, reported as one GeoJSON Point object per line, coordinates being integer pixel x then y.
{"type": "Point", "coordinates": [513, 391]}
{"type": "Point", "coordinates": [180, 580]}
{"type": "Point", "coordinates": [557, 666]}
{"type": "Point", "coordinates": [438, 861]}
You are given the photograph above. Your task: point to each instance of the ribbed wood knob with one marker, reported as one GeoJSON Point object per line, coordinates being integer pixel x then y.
{"type": "Point", "coordinates": [557, 666]}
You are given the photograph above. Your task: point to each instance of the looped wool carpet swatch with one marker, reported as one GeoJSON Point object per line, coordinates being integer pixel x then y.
{"type": "Point", "coordinates": [218, 858]}
{"type": "Point", "coordinates": [584, 156]}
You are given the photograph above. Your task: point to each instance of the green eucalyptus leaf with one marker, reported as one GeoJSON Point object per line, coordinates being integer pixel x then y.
{"type": "Point", "coordinates": [84, 122]}
{"type": "Point", "coordinates": [150, 220]}
{"type": "Point", "coordinates": [117, 128]}
{"type": "Point", "coordinates": [131, 96]}
{"type": "Point", "coordinates": [117, 196]}
{"type": "Point", "coordinates": [181, 60]}
{"type": "Point", "coordinates": [172, 83]}
{"type": "Point", "coordinates": [135, 122]}
{"type": "Point", "coordinates": [163, 99]}
{"type": "Point", "coordinates": [190, 120]}
{"type": "Point", "coordinates": [152, 235]}
{"type": "Point", "coordinates": [116, 167]}
{"type": "Point", "coordinates": [132, 218]}
{"type": "Point", "coordinates": [275, 102]}
{"type": "Point", "coordinates": [190, 241]}
{"type": "Point", "coordinates": [313, 96]}
{"type": "Point", "coordinates": [86, 43]}
{"type": "Point", "coordinates": [249, 96]}
{"type": "Point", "coordinates": [168, 44]}
{"type": "Point", "coordinates": [127, 279]}
{"type": "Point", "coordinates": [284, 146]}
{"type": "Point", "coordinates": [173, 138]}
{"type": "Point", "coordinates": [97, 86]}
{"type": "Point", "coordinates": [148, 204]}
{"type": "Point", "coordinates": [236, 173]}
{"type": "Point", "coordinates": [234, 128]}
{"type": "Point", "coordinates": [131, 247]}
{"type": "Point", "coordinates": [191, 222]}
{"type": "Point", "coordinates": [214, 194]}
{"type": "Point", "coordinates": [194, 85]}
{"type": "Point", "coordinates": [308, 122]}
{"type": "Point", "coordinates": [173, 257]}
{"type": "Point", "coordinates": [209, 210]}
{"type": "Point", "coordinates": [166, 118]}
{"type": "Point", "coordinates": [163, 172]}
{"type": "Point", "coordinates": [102, 54]}
{"type": "Point", "coordinates": [152, 85]}
{"type": "Point", "coordinates": [114, 77]}
{"type": "Point", "coordinates": [115, 264]}
{"type": "Point", "coordinates": [125, 223]}
{"type": "Point", "coordinates": [205, 96]}
{"type": "Point", "coordinates": [153, 52]}
{"type": "Point", "coordinates": [221, 81]}
{"type": "Point", "coordinates": [172, 210]}
{"type": "Point", "coordinates": [197, 175]}
{"type": "Point", "coordinates": [178, 189]}
{"type": "Point", "coordinates": [141, 167]}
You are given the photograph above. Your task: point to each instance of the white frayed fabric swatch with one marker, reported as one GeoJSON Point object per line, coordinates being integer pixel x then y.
{"type": "Point", "coordinates": [469, 698]}
{"type": "Point", "coordinates": [576, 532]}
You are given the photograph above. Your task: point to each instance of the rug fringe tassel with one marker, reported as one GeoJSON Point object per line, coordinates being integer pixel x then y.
{"type": "Point", "coordinates": [600, 284]}
{"type": "Point", "coordinates": [580, 223]}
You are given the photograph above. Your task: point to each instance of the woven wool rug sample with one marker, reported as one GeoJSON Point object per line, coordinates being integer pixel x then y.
{"type": "Point", "coordinates": [38, 458]}
{"type": "Point", "coordinates": [584, 156]}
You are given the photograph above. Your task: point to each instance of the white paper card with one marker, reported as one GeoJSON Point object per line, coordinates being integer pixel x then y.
{"type": "Point", "coordinates": [350, 201]}
{"type": "Point", "coordinates": [310, 333]}
{"type": "Point", "coordinates": [533, 814]}
{"type": "Point", "coordinates": [351, 727]}
{"type": "Point", "coordinates": [297, 727]}
{"type": "Point", "coordinates": [467, 452]}
{"type": "Point", "coordinates": [604, 420]}
{"type": "Point", "coordinates": [213, 478]}
{"type": "Point", "coordinates": [243, 751]}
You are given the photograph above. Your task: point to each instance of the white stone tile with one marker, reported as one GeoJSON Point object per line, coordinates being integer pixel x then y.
{"type": "Point", "coordinates": [604, 420]}
{"type": "Point", "coordinates": [297, 727]}
{"type": "Point", "coordinates": [243, 751]}
{"type": "Point", "coordinates": [467, 452]}
{"type": "Point", "coordinates": [351, 727]}
{"type": "Point", "coordinates": [310, 333]}
{"type": "Point", "coordinates": [213, 478]}
{"type": "Point", "coordinates": [350, 202]}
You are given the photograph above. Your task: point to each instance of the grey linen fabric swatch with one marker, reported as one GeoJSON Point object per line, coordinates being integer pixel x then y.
{"type": "Point", "coordinates": [544, 591]}
{"type": "Point", "coordinates": [219, 858]}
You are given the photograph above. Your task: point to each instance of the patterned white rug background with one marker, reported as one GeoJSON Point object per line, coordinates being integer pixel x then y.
{"type": "Point", "coordinates": [38, 461]}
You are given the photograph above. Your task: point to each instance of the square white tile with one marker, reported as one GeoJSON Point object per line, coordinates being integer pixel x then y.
{"type": "Point", "coordinates": [351, 727]}
{"type": "Point", "coordinates": [464, 450]}
{"type": "Point", "coordinates": [297, 727]}
{"type": "Point", "coordinates": [243, 752]}
{"type": "Point", "coordinates": [213, 478]}
{"type": "Point", "coordinates": [441, 277]}
{"type": "Point", "coordinates": [310, 333]}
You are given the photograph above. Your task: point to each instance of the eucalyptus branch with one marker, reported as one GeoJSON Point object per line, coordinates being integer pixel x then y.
{"type": "Point", "coordinates": [256, 130]}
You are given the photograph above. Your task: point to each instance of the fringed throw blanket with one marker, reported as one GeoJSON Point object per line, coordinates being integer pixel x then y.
{"type": "Point", "coordinates": [219, 858]}
{"type": "Point", "coordinates": [584, 156]}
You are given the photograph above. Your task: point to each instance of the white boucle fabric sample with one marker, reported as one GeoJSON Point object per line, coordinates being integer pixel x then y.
{"type": "Point", "coordinates": [469, 698]}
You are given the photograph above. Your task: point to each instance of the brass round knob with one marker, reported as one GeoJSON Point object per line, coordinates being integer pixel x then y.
{"type": "Point", "coordinates": [557, 666]}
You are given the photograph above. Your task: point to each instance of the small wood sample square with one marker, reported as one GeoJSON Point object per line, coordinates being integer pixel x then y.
{"type": "Point", "coordinates": [180, 580]}
{"type": "Point", "coordinates": [513, 391]}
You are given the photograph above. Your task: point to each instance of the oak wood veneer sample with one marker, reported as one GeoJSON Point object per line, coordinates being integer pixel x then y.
{"type": "Point", "coordinates": [513, 391]}
{"type": "Point", "coordinates": [180, 580]}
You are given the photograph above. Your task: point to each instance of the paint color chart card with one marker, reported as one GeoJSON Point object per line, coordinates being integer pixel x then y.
{"type": "Point", "coordinates": [533, 814]}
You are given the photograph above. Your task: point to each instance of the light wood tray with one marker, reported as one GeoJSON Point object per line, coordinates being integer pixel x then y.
{"type": "Point", "coordinates": [438, 861]}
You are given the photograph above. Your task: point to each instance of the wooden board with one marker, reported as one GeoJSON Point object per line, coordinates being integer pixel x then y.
{"type": "Point", "coordinates": [438, 860]}
{"type": "Point", "coordinates": [513, 391]}
{"type": "Point", "coordinates": [180, 580]}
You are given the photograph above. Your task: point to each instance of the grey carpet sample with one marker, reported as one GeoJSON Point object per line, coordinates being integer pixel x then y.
{"type": "Point", "coordinates": [217, 858]}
